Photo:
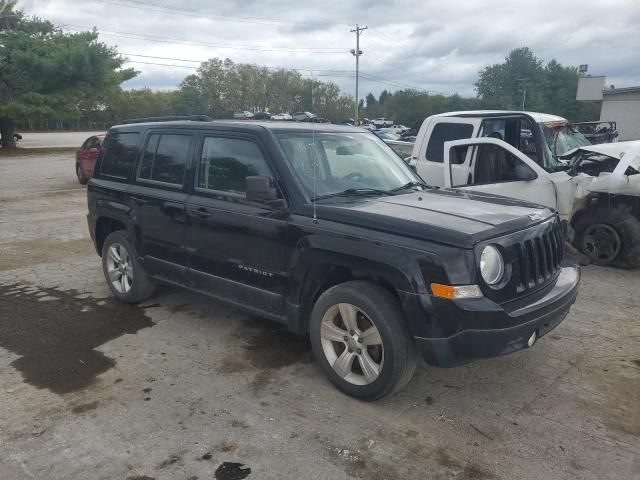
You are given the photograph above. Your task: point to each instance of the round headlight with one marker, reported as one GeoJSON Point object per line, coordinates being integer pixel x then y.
{"type": "Point", "coordinates": [491, 265]}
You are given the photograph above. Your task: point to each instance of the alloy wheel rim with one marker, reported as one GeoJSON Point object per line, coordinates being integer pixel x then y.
{"type": "Point", "coordinates": [601, 242]}
{"type": "Point", "coordinates": [119, 268]}
{"type": "Point", "coordinates": [352, 344]}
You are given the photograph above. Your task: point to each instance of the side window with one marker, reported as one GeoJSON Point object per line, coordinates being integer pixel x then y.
{"type": "Point", "coordinates": [494, 164]}
{"type": "Point", "coordinates": [445, 132]}
{"type": "Point", "coordinates": [87, 142]}
{"type": "Point", "coordinates": [165, 158]}
{"type": "Point", "coordinates": [227, 162]}
{"type": "Point", "coordinates": [120, 151]}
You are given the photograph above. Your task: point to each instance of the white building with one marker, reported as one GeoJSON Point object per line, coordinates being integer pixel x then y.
{"type": "Point", "coordinates": [623, 106]}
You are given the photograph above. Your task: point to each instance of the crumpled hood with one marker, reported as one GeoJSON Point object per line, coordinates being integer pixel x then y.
{"type": "Point", "coordinates": [444, 216]}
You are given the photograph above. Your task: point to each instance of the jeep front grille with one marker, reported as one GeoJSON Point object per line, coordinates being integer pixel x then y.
{"type": "Point", "coordinates": [536, 260]}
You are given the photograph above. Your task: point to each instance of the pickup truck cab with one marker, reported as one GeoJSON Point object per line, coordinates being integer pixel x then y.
{"type": "Point", "coordinates": [325, 230]}
{"type": "Point", "coordinates": [541, 159]}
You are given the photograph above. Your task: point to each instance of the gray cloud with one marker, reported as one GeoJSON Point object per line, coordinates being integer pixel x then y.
{"type": "Point", "coordinates": [432, 45]}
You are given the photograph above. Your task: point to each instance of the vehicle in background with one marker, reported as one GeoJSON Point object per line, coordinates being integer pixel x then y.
{"type": "Point", "coordinates": [245, 115]}
{"type": "Point", "coordinates": [382, 122]}
{"type": "Point", "coordinates": [541, 159]}
{"type": "Point", "coordinates": [315, 119]}
{"type": "Point", "coordinates": [369, 126]}
{"type": "Point", "coordinates": [402, 148]}
{"type": "Point", "coordinates": [282, 116]}
{"type": "Point", "coordinates": [17, 136]}
{"type": "Point", "coordinates": [598, 132]}
{"type": "Point", "coordinates": [348, 121]}
{"type": "Point", "coordinates": [386, 134]}
{"type": "Point", "coordinates": [398, 129]}
{"type": "Point", "coordinates": [301, 116]}
{"type": "Point", "coordinates": [262, 116]}
{"type": "Point", "coordinates": [86, 157]}
{"type": "Point", "coordinates": [328, 232]}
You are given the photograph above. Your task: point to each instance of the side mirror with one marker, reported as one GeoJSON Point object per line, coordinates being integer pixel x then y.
{"type": "Point", "coordinates": [94, 150]}
{"type": "Point", "coordinates": [260, 189]}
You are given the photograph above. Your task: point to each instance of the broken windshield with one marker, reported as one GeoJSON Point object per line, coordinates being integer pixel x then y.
{"type": "Point", "coordinates": [559, 139]}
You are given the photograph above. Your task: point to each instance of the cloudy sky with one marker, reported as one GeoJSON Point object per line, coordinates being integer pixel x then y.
{"type": "Point", "coordinates": [432, 45]}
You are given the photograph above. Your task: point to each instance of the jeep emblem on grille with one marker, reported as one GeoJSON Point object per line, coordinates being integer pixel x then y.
{"type": "Point", "coordinates": [535, 216]}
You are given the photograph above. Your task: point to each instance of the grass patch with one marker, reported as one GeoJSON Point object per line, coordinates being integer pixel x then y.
{"type": "Point", "coordinates": [19, 152]}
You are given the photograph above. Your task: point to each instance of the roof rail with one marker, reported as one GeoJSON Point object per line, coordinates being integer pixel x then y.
{"type": "Point", "coordinates": [193, 118]}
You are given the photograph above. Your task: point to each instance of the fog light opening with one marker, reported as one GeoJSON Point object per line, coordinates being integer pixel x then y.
{"type": "Point", "coordinates": [532, 339]}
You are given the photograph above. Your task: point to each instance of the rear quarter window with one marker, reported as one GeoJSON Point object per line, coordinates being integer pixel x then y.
{"type": "Point", "coordinates": [445, 132]}
{"type": "Point", "coordinates": [120, 151]}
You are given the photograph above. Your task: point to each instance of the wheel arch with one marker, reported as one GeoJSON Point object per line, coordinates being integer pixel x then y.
{"type": "Point", "coordinates": [317, 269]}
{"type": "Point", "coordinates": [104, 226]}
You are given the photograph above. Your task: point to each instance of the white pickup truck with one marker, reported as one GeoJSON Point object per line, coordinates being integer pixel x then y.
{"type": "Point", "coordinates": [540, 158]}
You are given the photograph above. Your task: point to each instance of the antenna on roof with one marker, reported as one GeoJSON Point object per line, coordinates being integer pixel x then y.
{"type": "Point", "coordinates": [313, 154]}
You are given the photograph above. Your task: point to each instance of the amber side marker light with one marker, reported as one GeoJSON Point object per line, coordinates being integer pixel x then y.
{"type": "Point", "coordinates": [451, 292]}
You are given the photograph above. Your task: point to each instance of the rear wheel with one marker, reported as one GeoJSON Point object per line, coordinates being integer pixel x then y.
{"type": "Point", "coordinates": [361, 341]}
{"type": "Point", "coordinates": [80, 175]}
{"type": "Point", "coordinates": [609, 237]}
{"type": "Point", "coordinates": [124, 273]}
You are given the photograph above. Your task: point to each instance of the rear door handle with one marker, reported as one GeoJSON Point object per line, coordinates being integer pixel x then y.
{"type": "Point", "coordinates": [200, 212]}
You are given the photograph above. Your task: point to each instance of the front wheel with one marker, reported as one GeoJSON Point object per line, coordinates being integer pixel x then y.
{"type": "Point", "coordinates": [123, 271]}
{"type": "Point", "coordinates": [361, 341]}
{"type": "Point", "coordinates": [609, 236]}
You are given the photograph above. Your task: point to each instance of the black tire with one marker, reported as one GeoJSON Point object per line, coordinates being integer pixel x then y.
{"type": "Point", "coordinates": [141, 287]}
{"type": "Point", "coordinates": [625, 225]}
{"type": "Point", "coordinates": [384, 312]}
{"type": "Point", "coordinates": [80, 175]}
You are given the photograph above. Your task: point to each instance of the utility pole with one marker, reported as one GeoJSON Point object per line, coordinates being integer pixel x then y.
{"type": "Point", "coordinates": [523, 85]}
{"type": "Point", "coordinates": [357, 52]}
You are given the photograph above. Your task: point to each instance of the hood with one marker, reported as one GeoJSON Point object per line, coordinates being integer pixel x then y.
{"type": "Point", "coordinates": [615, 150]}
{"type": "Point", "coordinates": [444, 216]}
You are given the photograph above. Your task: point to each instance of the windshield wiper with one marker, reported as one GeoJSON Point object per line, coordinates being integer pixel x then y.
{"type": "Point", "coordinates": [408, 185]}
{"type": "Point", "coordinates": [352, 192]}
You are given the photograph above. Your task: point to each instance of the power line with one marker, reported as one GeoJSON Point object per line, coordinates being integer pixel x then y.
{"type": "Point", "coordinates": [178, 41]}
{"type": "Point", "coordinates": [315, 69]}
{"type": "Point", "coordinates": [149, 6]}
{"type": "Point", "coordinates": [337, 74]}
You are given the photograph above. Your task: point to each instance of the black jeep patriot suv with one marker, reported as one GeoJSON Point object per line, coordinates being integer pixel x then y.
{"type": "Point", "coordinates": [326, 230]}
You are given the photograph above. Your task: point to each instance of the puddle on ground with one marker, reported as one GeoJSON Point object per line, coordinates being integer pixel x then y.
{"type": "Point", "coordinates": [232, 471]}
{"type": "Point", "coordinates": [56, 334]}
{"type": "Point", "coordinates": [267, 347]}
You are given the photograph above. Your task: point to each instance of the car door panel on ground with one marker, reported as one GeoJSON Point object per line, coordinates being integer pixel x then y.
{"type": "Point", "coordinates": [158, 197]}
{"type": "Point", "coordinates": [237, 248]}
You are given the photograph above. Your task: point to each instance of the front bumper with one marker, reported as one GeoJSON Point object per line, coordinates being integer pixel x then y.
{"type": "Point", "coordinates": [503, 329]}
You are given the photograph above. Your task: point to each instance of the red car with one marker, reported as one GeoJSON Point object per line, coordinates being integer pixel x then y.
{"type": "Point", "coordinates": [86, 157]}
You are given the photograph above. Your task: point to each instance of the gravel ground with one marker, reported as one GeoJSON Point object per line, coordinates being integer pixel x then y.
{"type": "Point", "coordinates": [184, 388]}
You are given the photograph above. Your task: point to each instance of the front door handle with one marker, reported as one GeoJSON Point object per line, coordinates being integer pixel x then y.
{"type": "Point", "coordinates": [200, 212]}
{"type": "Point", "coordinates": [139, 200]}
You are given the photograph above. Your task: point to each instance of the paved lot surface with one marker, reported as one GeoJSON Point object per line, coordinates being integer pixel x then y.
{"type": "Point", "coordinates": [185, 388]}
{"type": "Point", "coordinates": [54, 139]}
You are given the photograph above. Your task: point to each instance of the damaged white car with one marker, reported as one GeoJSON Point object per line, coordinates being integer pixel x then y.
{"type": "Point", "coordinates": [542, 159]}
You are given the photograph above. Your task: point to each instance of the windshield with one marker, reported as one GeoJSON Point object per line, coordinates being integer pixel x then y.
{"type": "Point", "coordinates": [344, 161]}
{"type": "Point", "coordinates": [560, 139]}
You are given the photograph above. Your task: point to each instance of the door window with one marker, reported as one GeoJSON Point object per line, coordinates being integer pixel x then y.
{"type": "Point", "coordinates": [445, 132]}
{"type": "Point", "coordinates": [494, 164]}
{"type": "Point", "coordinates": [225, 164]}
{"type": "Point", "coordinates": [120, 154]}
{"type": "Point", "coordinates": [165, 158]}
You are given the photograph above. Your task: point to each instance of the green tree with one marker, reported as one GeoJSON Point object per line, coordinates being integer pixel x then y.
{"type": "Point", "coordinates": [45, 72]}
{"type": "Point", "coordinates": [549, 88]}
